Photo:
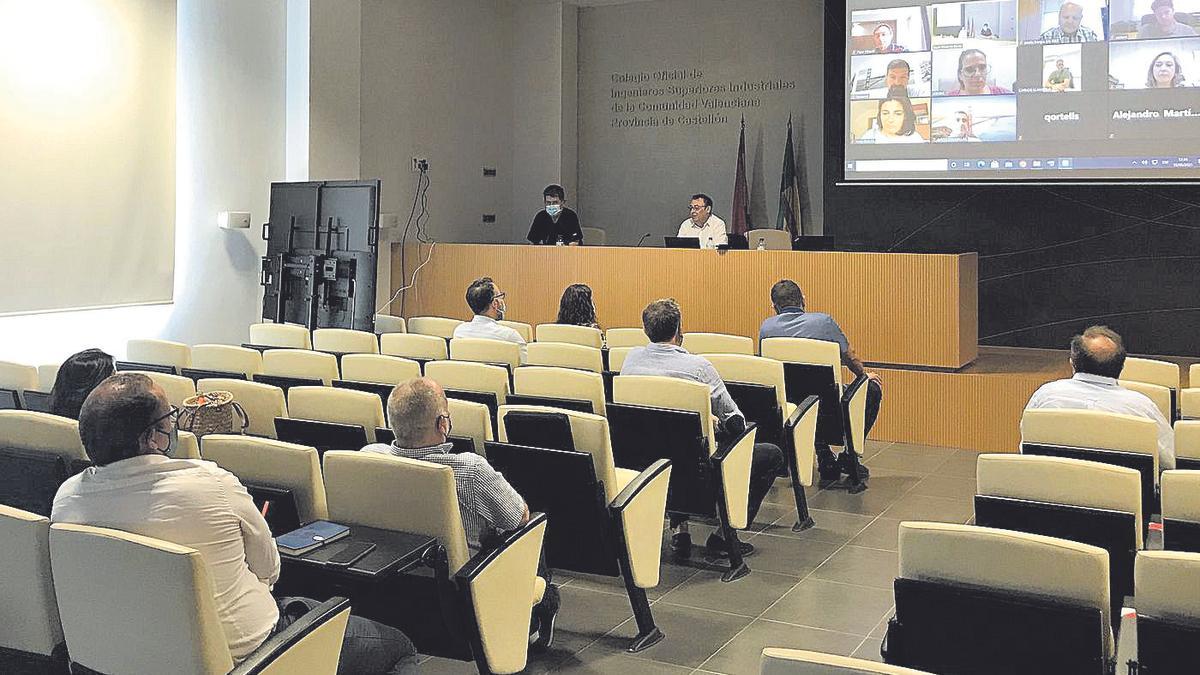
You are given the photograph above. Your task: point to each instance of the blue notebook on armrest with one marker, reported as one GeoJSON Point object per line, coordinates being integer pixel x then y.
{"type": "Point", "coordinates": [310, 537]}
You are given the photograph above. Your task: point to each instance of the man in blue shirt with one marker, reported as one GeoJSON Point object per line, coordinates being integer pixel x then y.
{"type": "Point", "coordinates": [665, 357]}
{"type": "Point", "coordinates": [791, 320]}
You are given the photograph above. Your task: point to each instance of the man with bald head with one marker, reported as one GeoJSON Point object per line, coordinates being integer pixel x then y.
{"type": "Point", "coordinates": [128, 431]}
{"type": "Point", "coordinates": [1069, 28]}
{"type": "Point", "coordinates": [1097, 357]}
{"type": "Point", "coordinates": [420, 417]}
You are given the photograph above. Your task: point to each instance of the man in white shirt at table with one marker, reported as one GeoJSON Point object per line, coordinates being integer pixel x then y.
{"type": "Point", "coordinates": [702, 224]}
{"type": "Point", "coordinates": [129, 432]}
{"type": "Point", "coordinates": [486, 300]}
{"type": "Point", "coordinates": [1097, 358]}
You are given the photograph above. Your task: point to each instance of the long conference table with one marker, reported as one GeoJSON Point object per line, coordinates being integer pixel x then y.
{"type": "Point", "coordinates": [901, 309]}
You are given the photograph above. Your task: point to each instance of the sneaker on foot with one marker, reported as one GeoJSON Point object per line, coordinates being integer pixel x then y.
{"type": "Point", "coordinates": [681, 544]}
{"type": "Point", "coordinates": [844, 467]}
{"type": "Point", "coordinates": [720, 547]}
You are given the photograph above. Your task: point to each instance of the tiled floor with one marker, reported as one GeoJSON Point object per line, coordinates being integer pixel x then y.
{"type": "Point", "coordinates": [828, 588]}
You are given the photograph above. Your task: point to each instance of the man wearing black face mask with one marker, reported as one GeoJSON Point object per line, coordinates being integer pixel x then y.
{"type": "Point", "coordinates": [555, 223]}
{"type": "Point", "coordinates": [128, 429]}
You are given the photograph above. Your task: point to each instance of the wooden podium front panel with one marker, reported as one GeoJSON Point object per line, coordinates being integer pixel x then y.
{"type": "Point", "coordinates": [896, 308]}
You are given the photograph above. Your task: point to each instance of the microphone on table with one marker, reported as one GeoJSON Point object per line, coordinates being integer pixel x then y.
{"type": "Point", "coordinates": [642, 239]}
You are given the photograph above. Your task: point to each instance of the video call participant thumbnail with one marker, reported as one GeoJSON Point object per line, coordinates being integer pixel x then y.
{"type": "Point", "coordinates": [888, 31]}
{"type": "Point", "coordinates": [1165, 24]}
{"type": "Point", "coordinates": [895, 121]}
{"type": "Point", "coordinates": [898, 71]}
{"type": "Point", "coordinates": [1070, 27]}
{"type": "Point", "coordinates": [961, 25]}
{"type": "Point", "coordinates": [974, 119]}
{"type": "Point", "coordinates": [975, 76]}
{"type": "Point", "coordinates": [1153, 64]}
{"type": "Point", "coordinates": [1060, 78]}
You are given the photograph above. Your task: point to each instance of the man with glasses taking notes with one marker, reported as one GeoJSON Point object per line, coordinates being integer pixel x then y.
{"type": "Point", "coordinates": [129, 431]}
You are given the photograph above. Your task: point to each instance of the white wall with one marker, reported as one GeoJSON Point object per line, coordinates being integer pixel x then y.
{"type": "Point", "coordinates": [335, 65]}
{"type": "Point", "coordinates": [230, 131]}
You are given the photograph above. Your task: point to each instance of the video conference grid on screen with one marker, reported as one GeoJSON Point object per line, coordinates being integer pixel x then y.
{"type": "Point", "coordinates": [1018, 89]}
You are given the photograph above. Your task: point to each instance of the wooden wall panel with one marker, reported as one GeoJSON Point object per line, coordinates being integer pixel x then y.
{"type": "Point", "coordinates": [904, 309]}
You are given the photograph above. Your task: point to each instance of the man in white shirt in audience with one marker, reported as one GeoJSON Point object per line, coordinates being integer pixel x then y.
{"type": "Point", "coordinates": [665, 356]}
{"type": "Point", "coordinates": [128, 431]}
{"type": "Point", "coordinates": [702, 224]}
{"type": "Point", "coordinates": [488, 505]}
{"type": "Point", "coordinates": [487, 302]}
{"type": "Point", "coordinates": [1097, 358]}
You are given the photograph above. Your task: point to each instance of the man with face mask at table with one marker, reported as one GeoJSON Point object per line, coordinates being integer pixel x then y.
{"type": "Point", "coordinates": [487, 302]}
{"type": "Point", "coordinates": [555, 222]}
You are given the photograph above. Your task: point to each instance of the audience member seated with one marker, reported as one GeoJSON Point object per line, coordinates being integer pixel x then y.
{"type": "Point", "coordinates": [420, 418]}
{"type": "Point", "coordinates": [792, 321]}
{"type": "Point", "coordinates": [1097, 358]}
{"type": "Point", "coordinates": [487, 302]}
{"type": "Point", "coordinates": [576, 307]}
{"type": "Point", "coordinates": [76, 378]}
{"type": "Point", "coordinates": [663, 323]}
{"type": "Point", "coordinates": [128, 429]}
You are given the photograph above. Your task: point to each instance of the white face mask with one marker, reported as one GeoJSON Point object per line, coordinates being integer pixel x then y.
{"type": "Point", "coordinates": [553, 209]}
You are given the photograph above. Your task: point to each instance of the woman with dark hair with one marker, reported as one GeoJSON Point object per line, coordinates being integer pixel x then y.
{"type": "Point", "coordinates": [895, 121]}
{"type": "Point", "coordinates": [576, 307]}
{"type": "Point", "coordinates": [973, 74]}
{"type": "Point", "coordinates": [77, 377]}
{"type": "Point", "coordinates": [1164, 72]}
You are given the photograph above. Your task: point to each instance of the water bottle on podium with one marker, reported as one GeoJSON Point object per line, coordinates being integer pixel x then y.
{"type": "Point", "coordinates": [762, 244]}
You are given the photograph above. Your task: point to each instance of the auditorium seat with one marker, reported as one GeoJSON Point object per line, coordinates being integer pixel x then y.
{"type": "Point", "coordinates": [1187, 444]}
{"type": "Point", "coordinates": [263, 462]}
{"type": "Point", "coordinates": [756, 385]}
{"type": "Point", "coordinates": [301, 363]}
{"type": "Point", "coordinates": [340, 406]}
{"type": "Point", "coordinates": [133, 604]}
{"type": "Point", "coordinates": [814, 368]}
{"type": "Point", "coordinates": [564, 355]}
{"type": "Point", "coordinates": [47, 374]}
{"type": "Point", "coordinates": [1154, 371]}
{"type": "Point", "coordinates": [616, 357]}
{"type": "Point", "coordinates": [980, 600]}
{"type": "Point", "coordinates": [777, 661]}
{"type": "Point", "coordinates": [569, 334]}
{"type": "Point", "coordinates": [1111, 438]}
{"type": "Point", "coordinates": [492, 591]}
{"type": "Point", "coordinates": [437, 326]}
{"type": "Point", "coordinates": [177, 387]}
{"type": "Point", "coordinates": [717, 343]}
{"type": "Point", "coordinates": [262, 402]}
{"type": "Point", "coordinates": [523, 329]}
{"type": "Point", "coordinates": [1189, 403]}
{"type": "Point", "coordinates": [31, 638]}
{"type": "Point", "coordinates": [560, 383]}
{"type": "Point", "coordinates": [413, 346]}
{"type": "Point", "coordinates": [1181, 510]}
{"type": "Point", "coordinates": [1162, 397]}
{"type": "Point", "coordinates": [227, 358]}
{"type": "Point", "coordinates": [471, 420]}
{"type": "Point", "coordinates": [773, 240]}
{"type": "Point", "coordinates": [625, 337]}
{"type": "Point", "coordinates": [1168, 612]}
{"type": "Point", "coordinates": [280, 335]}
{"type": "Point", "coordinates": [386, 323]}
{"type": "Point", "coordinates": [189, 445]}
{"type": "Point", "coordinates": [467, 376]}
{"type": "Point", "coordinates": [18, 376]}
{"type": "Point", "coordinates": [652, 418]}
{"type": "Point", "coordinates": [603, 519]}
{"type": "Point", "coordinates": [1088, 502]}
{"type": "Point", "coordinates": [379, 368]}
{"type": "Point", "coordinates": [594, 236]}
{"type": "Point", "coordinates": [344, 341]}
{"type": "Point", "coordinates": [41, 432]}
{"type": "Point", "coordinates": [483, 350]}
{"type": "Point", "coordinates": [159, 353]}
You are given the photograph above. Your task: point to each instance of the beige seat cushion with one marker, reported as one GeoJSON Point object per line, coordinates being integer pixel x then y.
{"type": "Point", "coordinates": [1167, 584]}
{"type": "Point", "coordinates": [341, 406]}
{"type": "Point", "coordinates": [1189, 402]}
{"type": "Point", "coordinates": [626, 337]}
{"type": "Point", "coordinates": [568, 334]}
{"type": "Point", "coordinates": [752, 370]}
{"type": "Point", "coordinates": [1005, 560]}
{"type": "Point", "coordinates": [28, 611]}
{"type": "Point", "coordinates": [588, 432]}
{"type": "Point", "coordinates": [1091, 429]}
{"type": "Point", "coordinates": [471, 420]}
{"type": "Point", "coordinates": [280, 335]}
{"type": "Point", "coordinates": [1161, 396]}
{"type": "Point", "coordinates": [379, 368]}
{"type": "Point", "coordinates": [275, 463]}
{"type": "Point", "coordinates": [1058, 480]}
{"type": "Point", "coordinates": [227, 358]}
{"type": "Point", "coordinates": [301, 363]}
{"type": "Point", "coordinates": [523, 329]}
{"type": "Point", "coordinates": [1151, 371]}
{"type": "Point", "coordinates": [804, 350]}
{"type": "Point", "coordinates": [386, 323]}
{"type": "Point", "coordinates": [1187, 439]}
{"type": "Point", "coordinates": [616, 357]}
{"type": "Point", "coordinates": [159, 352]}
{"type": "Point", "coordinates": [414, 346]}
{"type": "Point", "coordinates": [262, 402]}
{"type": "Point", "coordinates": [438, 326]}
{"type": "Point", "coordinates": [1181, 495]}
{"type": "Point", "coordinates": [563, 355]}
{"type": "Point", "coordinates": [668, 392]}
{"type": "Point", "coordinates": [41, 432]}
{"type": "Point", "coordinates": [484, 350]}
{"type": "Point", "coordinates": [47, 374]}
{"type": "Point", "coordinates": [561, 383]}
{"type": "Point", "coordinates": [177, 387]}
{"type": "Point", "coordinates": [345, 341]}
{"type": "Point", "coordinates": [18, 376]}
{"type": "Point", "coordinates": [717, 343]}
{"type": "Point", "coordinates": [469, 376]}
